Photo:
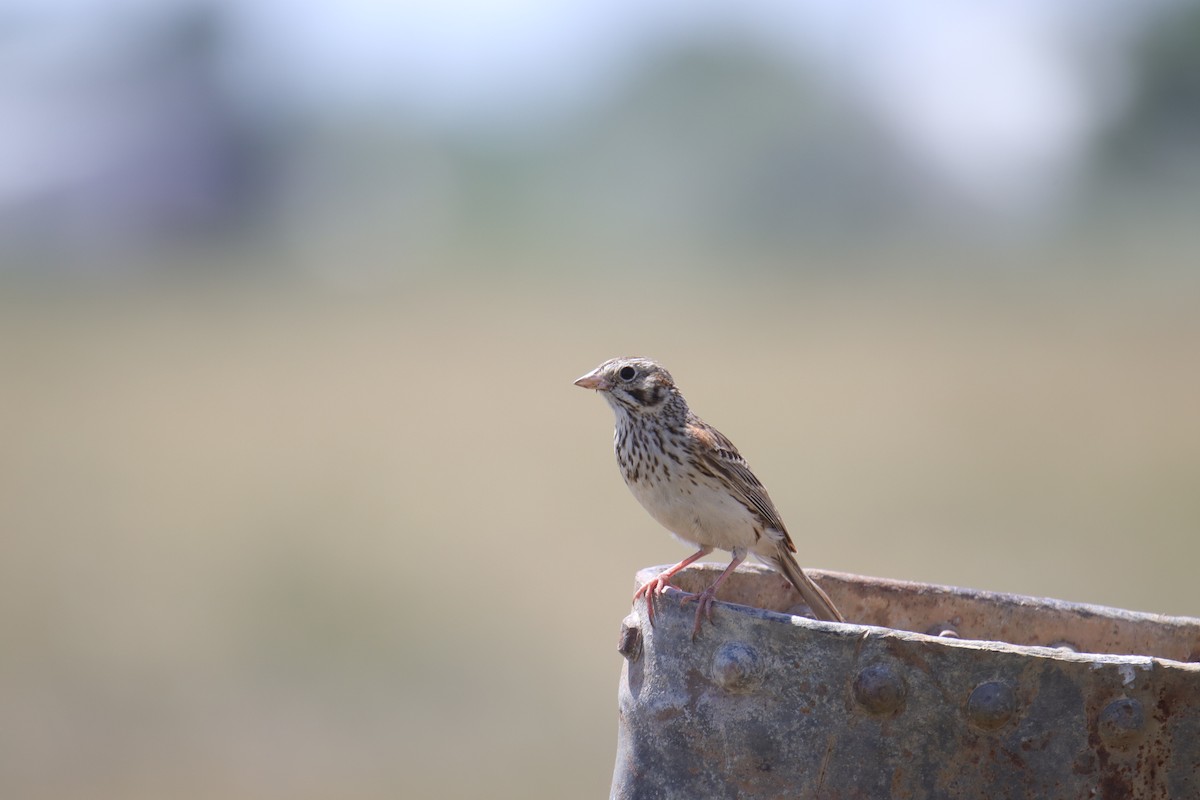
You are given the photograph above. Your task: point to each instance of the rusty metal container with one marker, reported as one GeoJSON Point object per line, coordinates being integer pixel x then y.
{"type": "Point", "coordinates": [933, 692]}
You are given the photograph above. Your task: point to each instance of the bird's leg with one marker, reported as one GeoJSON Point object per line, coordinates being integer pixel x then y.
{"type": "Point", "coordinates": [705, 599]}
{"type": "Point", "coordinates": [658, 584]}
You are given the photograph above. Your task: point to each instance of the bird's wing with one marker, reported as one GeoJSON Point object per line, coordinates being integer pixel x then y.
{"type": "Point", "coordinates": [720, 455]}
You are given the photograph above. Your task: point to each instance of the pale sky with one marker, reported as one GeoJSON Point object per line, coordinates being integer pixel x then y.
{"type": "Point", "coordinates": [993, 97]}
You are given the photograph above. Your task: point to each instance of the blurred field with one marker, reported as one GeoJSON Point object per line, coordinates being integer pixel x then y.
{"type": "Point", "coordinates": [261, 544]}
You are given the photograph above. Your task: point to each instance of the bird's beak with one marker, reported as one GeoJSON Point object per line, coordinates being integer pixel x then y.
{"type": "Point", "coordinates": [593, 381]}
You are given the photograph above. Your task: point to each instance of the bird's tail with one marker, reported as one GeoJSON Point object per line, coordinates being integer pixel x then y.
{"type": "Point", "coordinates": [816, 598]}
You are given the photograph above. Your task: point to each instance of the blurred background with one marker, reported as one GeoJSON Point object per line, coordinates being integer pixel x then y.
{"type": "Point", "coordinates": [296, 496]}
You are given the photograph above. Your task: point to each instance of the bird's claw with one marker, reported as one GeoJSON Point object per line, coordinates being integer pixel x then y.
{"type": "Point", "coordinates": [650, 590]}
{"type": "Point", "coordinates": [657, 586]}
{"type": "Point", "coordinates": [704, 601]}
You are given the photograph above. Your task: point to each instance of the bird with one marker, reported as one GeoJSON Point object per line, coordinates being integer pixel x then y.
{"type": "Point", "coordinates": [694, 482]}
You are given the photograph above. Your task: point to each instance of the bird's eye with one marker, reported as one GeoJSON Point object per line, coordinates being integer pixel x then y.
{"type": "Point", "coordinates": [627, 373]}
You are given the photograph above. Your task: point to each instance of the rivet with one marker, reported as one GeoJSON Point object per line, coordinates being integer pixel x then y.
{"type": "Point", "coordinates": [1121, 720]}
{"type": "Point", "coordinates": [630, 642]}
{"type": "Point", "coordinates": [991, 705]}
{"type": "Point", "coordinates": [880, 690]}
{"type": "Point", "coordinates": [737, 667]}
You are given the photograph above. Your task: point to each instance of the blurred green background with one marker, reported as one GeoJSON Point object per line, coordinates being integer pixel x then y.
{"type": "Point", "coordinates": [296, 496]}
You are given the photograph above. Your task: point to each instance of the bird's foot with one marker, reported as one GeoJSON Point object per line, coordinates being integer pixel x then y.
{"type": "Point", "coordinates": [704, 601]}
{"type": "Point", "coordinates": [650, 590]}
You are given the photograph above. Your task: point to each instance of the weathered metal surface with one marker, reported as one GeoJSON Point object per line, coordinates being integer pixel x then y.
{"type": "Point", "coordinates": [763, 704]}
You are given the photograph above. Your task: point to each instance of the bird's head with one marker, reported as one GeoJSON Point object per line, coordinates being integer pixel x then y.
{"type": "Point", "coordinates": [634, 385]}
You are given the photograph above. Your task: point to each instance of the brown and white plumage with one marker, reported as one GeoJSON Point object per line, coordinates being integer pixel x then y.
{"type": "Point", "coordinates": [693, 481]}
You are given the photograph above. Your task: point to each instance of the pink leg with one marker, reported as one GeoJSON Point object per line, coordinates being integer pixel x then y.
{"type": "Point", "coordinates": [704, 600]}
{"type": "Point", "coordinates": [656, 586]}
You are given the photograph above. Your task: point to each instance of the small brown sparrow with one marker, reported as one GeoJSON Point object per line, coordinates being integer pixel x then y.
{"type": "Point", "coordinates": [694, 482]}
